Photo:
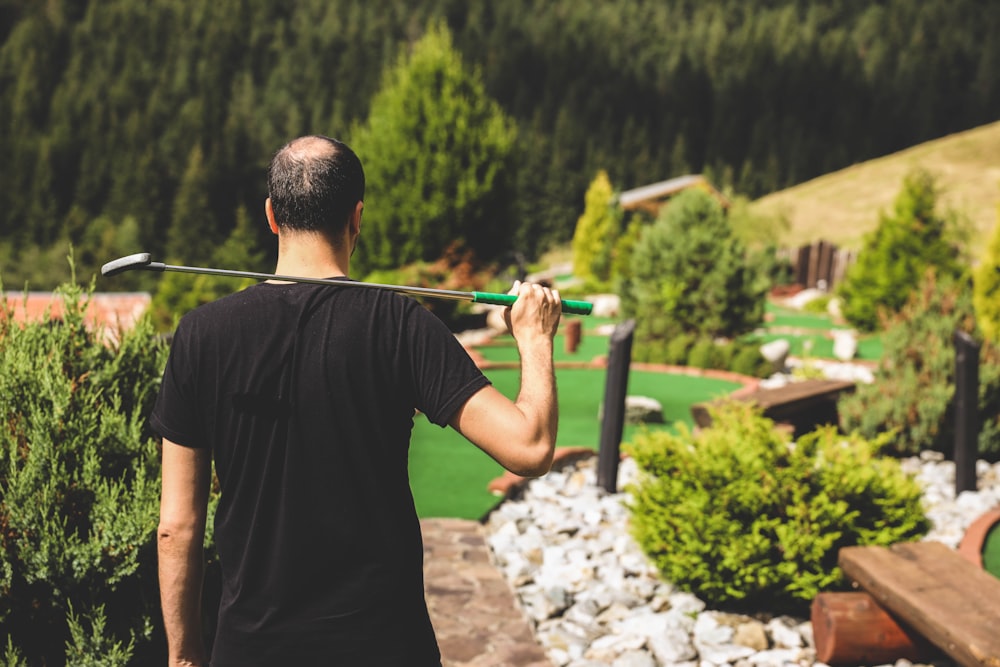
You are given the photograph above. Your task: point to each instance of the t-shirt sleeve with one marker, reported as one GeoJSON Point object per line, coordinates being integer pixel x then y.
{"type": "Point", "coordinates": [175, 415]}
{"type": "Point", "coordinates": [444, 374]}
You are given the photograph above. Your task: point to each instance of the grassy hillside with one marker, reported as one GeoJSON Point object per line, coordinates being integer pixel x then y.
{"type": "Point", "coordinates": [842, 206]}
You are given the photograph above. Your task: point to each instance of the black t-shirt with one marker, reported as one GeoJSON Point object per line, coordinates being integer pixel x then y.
{"type": "Point", "coordinates": [306, 396]}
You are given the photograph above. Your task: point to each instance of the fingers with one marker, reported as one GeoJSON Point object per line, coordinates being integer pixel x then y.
{"type": "Point", "coordinates": [538, 308]}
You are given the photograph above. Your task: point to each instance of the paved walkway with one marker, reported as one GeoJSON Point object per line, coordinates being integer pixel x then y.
{"type": "Point", "coordinates": [475, 615]}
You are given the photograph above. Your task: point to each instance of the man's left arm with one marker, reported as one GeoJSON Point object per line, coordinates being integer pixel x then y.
{"type": "Point", "coordinates": [180, 545]}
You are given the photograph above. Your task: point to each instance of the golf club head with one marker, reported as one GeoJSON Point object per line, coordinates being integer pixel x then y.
{"type": "Point", "coordinates": [137, 261]}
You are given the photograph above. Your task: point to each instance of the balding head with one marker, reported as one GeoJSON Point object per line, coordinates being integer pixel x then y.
{"type": "Point", "coordinates": [315, 183]}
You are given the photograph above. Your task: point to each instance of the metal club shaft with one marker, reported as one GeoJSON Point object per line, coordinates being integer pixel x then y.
{"type": "Point", "coordinates": [143, 262]}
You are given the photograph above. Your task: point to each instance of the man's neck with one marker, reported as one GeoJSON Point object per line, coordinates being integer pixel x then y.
{"type": "Point", "coordinates": [310, 256]}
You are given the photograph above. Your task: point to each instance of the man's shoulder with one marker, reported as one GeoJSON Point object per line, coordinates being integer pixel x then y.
{"type": "Point", "coordinates": [224, 308]}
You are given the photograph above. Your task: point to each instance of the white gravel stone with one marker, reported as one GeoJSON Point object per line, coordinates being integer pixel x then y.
{"type": "Point", "coordinates": [595, 599]}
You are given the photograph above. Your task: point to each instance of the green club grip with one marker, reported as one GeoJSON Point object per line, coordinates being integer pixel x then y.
{"type": "Point", "coordinates": [568, 306]}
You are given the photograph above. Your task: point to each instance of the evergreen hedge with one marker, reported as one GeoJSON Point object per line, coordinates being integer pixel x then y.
{"type": "Point", "coordinates": [79, 491]}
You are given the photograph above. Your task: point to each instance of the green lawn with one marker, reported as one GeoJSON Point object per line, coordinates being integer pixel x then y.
{"type": "Point", "coordinates": [869, 347]}
{"type": "Point", "coordinates": [449, 476]}
{"type": "Point", "coordinates": [815, 328]}
{"type": "Point", "coordinates": [789, 317]}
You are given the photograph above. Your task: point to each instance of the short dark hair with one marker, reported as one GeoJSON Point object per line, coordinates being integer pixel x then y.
{"type": "Point", "coordinates": [314, 183]}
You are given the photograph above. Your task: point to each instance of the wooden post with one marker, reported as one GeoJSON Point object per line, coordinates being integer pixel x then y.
{"type": "Point", "coordinates": [573, 331]}
{"type": "Point", "coordinates": [852, 629]}
{"type": "Point", "coordinates": [813, 265]}
{"type": "Point", "coordinates": [966, 411]}
{"type": "Point", "coordinates": [802, 266]}
{"type": "Point", "coordinates": [613, 414]}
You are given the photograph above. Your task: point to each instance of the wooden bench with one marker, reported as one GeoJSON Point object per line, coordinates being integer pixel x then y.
{"type": "Point", "coordinates": [802, 405]}
{"type": "Point", "coordinates": [925, 590]}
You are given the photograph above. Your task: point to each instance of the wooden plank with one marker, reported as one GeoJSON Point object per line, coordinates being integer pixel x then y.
{"type": "Point", "coordinates": [938, 593]}
{"type": "Point", "coordinates": [803, 391]}
{"type": "Point", "coordinates": [803, 405]}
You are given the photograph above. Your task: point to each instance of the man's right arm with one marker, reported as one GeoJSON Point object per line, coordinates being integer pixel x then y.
{"type": "Point", "coordinates": [180, 542]}
{"type": "Point", "coordinates": [520, 435]}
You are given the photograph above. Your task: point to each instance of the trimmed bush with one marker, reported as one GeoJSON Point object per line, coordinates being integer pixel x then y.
{"type": "Point", "coordinates": [79, 474]}
{"type": "Point", "coordinates": [746, 520]}
{"type": "Point", "coordinates": [678, 349]}
{"type": "Point", "coordinates": [691, 350]}
{"type": "Point", "coordinates": [704, 354]}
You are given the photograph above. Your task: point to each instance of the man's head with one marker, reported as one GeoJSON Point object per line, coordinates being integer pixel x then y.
{"type": "Point", "coordinates": [315, 184]}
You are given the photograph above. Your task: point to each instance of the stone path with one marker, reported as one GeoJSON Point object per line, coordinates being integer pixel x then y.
{"type": "Point", "coordinates": [476, 617]}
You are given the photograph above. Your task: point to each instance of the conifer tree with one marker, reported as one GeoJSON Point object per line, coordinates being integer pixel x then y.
{"type": "Point", "coordinates": [690, 275]}
{"type": "Point", "coordinates": [437, 154]}
{"type": "Point", "coordinates": [596, 233]}
{"type": "Point", "coordinates": [895, 257]}
{"type": "Point", "coordinates": [986, 289]}
{"type": "Point", "coordinates": [189, 239]}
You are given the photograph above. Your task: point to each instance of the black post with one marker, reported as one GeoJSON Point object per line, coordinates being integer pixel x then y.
{"type": "Point", "coordinates": [613, 414]}
{"type": "Point", "coordinates": [966, 411]}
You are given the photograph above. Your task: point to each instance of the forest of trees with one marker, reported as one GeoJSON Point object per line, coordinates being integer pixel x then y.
{"type": "Point", "coordinates": [130, 125]}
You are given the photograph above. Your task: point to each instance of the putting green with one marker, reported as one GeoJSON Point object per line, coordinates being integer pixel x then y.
{"type": "Point", "coordinates": [869, 347]}
{"type": "Point", "coordinates": [449, 476]}
{"type": "Point", "coordinates": [789, 317]}
{"type": "Point", "coordinates": [991, 551]}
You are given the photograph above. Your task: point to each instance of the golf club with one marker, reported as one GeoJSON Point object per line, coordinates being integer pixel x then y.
{"type": "Point", "coordinates": [143, 262]}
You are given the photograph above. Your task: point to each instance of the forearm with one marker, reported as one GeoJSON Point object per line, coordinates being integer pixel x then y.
{"type": "Point", "coordinates": [181, 565]}
{"type": "Point", "coordinates": [537, 399]}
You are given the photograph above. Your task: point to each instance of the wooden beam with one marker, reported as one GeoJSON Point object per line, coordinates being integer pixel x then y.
{"type": "Point", "coordinates": [852, 629]}
{"type": "Point", "coordinates": [935, 591]}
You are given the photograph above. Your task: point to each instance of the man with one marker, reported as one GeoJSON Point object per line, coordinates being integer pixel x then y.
{"type": "Point", "coordinates": [304, 396]}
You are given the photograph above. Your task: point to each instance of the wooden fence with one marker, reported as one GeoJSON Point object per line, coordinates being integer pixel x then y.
{"type": "Point", "coordinates": [821, 264]}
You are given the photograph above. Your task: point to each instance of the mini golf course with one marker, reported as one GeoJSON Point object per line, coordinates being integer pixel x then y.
{"type": "Point", "coordinates": [449, 475]}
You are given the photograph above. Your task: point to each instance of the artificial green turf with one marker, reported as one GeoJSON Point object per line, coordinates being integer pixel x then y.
{"type": "Point", "coordinates": [869, 347]}
{"type": "Point", "coordinates": [789, 317]}
{"type": "Point", "coordinates": [991, 551]}
{"type": "Point", "coordinates": [449, 476]}
{"type": "Point", "coordinates": [504, 349]}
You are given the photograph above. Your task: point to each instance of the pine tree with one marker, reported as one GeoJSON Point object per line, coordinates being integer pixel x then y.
{"type": "Point", "coordinates": [191, 234]}
{"type": "Point", "coordinates": [690, 275]}
{"type": "Point", "coordinates": [596, 233]}
{"type": "Point", "coordinates": [895, 257]}
{"type": "Point", "coordinates": [437, 154]}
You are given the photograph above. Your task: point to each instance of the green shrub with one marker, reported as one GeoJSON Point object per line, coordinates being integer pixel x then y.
{"type": "Point", "coordinates": [915, 382]}
{"type": "Point", "coordinates": [745, 520]}
{"type": "Point", "coordinates": [698, 352]}
{"type": "Point", "coordinates": [703, 354]}
{"type": "Point", "coordinates": [747, 360]}
{"type": "Point", "coordinates": [986, 290]}
{"type": "Point", "coordinates": [690, 274]}
{"type": "Point", "coordinates": [621, 261]}
{"type": "Point", "coordinates": [678, 349]}
{"type": "Point", "coordinates": [79, 474]}
{"type": "Point", "coordinates": [820, 305]}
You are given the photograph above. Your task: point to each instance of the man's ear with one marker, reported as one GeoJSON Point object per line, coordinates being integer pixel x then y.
{"type": "Point", "coordinates": [269, 212]}
{"type": "Point", "coordinates": [355, 221]}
